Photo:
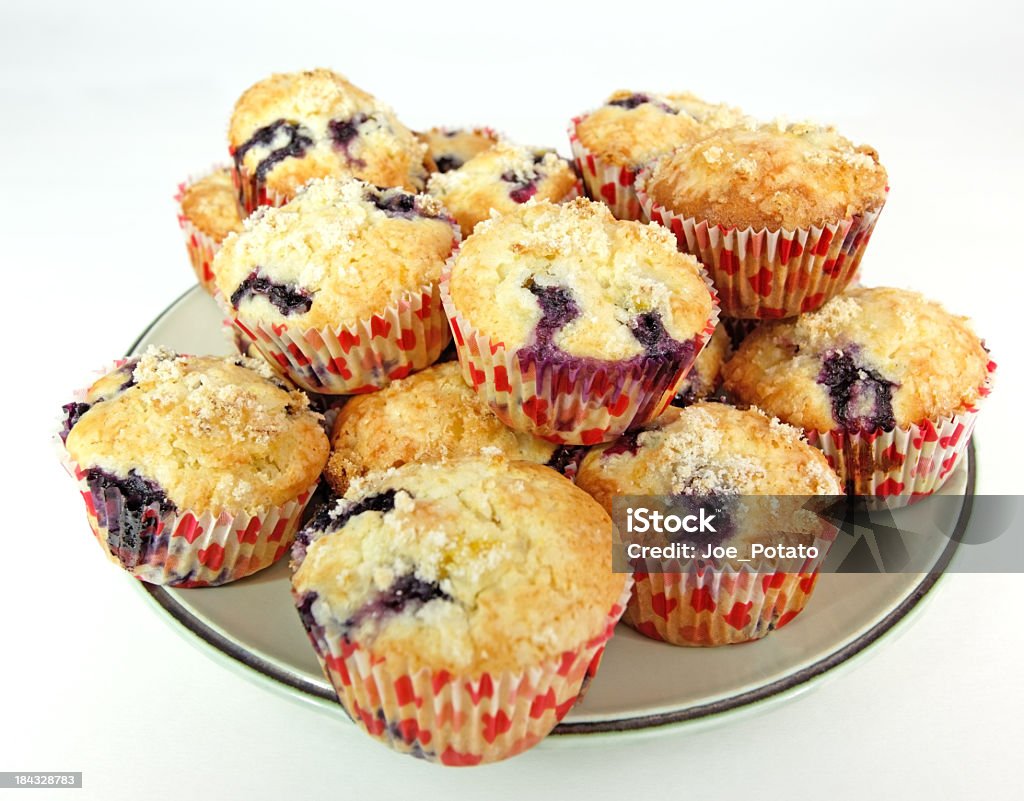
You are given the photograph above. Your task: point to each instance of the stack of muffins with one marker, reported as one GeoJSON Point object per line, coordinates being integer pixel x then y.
{"type": "Point", "coordinates": [457, 584]}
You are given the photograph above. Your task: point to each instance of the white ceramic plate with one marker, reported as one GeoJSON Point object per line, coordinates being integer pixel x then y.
{"type": "Point", "coordinates": [642, 683]}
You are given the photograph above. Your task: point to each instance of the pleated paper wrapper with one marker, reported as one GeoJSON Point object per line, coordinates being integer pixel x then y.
{"type": "Point", "coordinates": [201, 247]}
{"type": "Point", "coordinates": [604, 182]}
{"type": "Point", "coordinates": [458, 720]}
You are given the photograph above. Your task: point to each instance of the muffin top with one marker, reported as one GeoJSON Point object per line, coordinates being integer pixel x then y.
{"type": "Point", "coordinates": [869, 359]}
{"type": "Point", "coordinates": [201, 432]}
{"type": "Point", "coordinates": [211, 205]}
{"type": "Point", "coordinates": [632, 128]}
{"type": "Point", "coordinates": [295, 126]}
{"type": "Point", "coordinates": [557, 281]}
{"type": "Point", "coordinates": [713, 451]}
{"type": "Point", "coordinates": [477, 565]}
{"type": "Point", "coordinates": [499, 179]}
{"type": "Point", "coordinates": [431, 416]}
{"type": "Point", "coordinates": [703, 378]}
{"type": "Point", "coordinates": [450, 148]}
{"type": "Point", "coordinates": [769, 176]}
{"type": "Point", "coordinates": [340, 251]}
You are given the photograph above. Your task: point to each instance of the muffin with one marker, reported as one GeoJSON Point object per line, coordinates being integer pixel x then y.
{"type": "Point", "coordinates": [450, 148]}
{"type": "Point", "coordinates": [293, 127]}
{"type": "Point", "coordinates": [458, 609]}
{"type": "Point", "coordinates": [338, 287]}
{"type": "Point", "coordinates": [886, 382]}
{"type": "Point", "coordinates": [714, 455]}
{"type": "Point", "coordinates": [431, 416]}
{"type": "Point", "coordinates": [703, 379]}
{"type": "Point", "coordinates": [208, 212]}
{"type": "Point", "coordinates": [611, 144]}
{"type": "Point", "coordinates": [500, 179]}
{"type": "Point", "coordinates": [572, 325]}
{"type": "Point", "coordinates": [195, 470]}
{"type": "Point", "coordinates": [779, 214]}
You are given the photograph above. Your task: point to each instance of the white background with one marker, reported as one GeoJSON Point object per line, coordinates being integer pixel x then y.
{"type": "Point", "coordinates": [105, 107]}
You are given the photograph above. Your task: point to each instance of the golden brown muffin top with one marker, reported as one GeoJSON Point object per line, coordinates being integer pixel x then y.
{"type": "Point", "coordinates": [214, 433]}
{"type": "Point", "coordinates": [632, 128]}
{"type": "Point", "coordinates": [211, 205]}
{"type": "Point", "coordinates": [499, 179]}
{"type": "Point", "coordinates": [770, 176]}
{"type": "Point", "coordinates": [579, 276]}
{"type": "Point", "coordinates": [477, 565]}
{"type": "Point", "coordinates": [872, 357]}
{"type": "Point", "coordinates": [339, 252]}
{"type": "Point", "coordinates": [431, 416]}
{"type": "Point", "coordinates": [331, 127]}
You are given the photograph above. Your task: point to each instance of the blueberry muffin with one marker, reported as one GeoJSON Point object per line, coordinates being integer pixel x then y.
{"type": "Point", "coordinates": [572, 324]}
{"type": "Point", "coordinates": [195, 469]}
{"type": "Point", "coordinates": [431, 416]}
{"type": "Point", "coordinates": [715, 456]}
{"type": "Point", "coordinates": [611, 144]}
{"type": "Point", "coordinates": [478, 591]}
{"type": "Point", "coordinates": [450, 148]}
{"type": "Point", "coordinates": [631, 128]}
{"type": "Point", "coordinates": [208, 213]}
{"type": "Point", "coordinates": [353, 265]}
{"type": "Point", "coordinates": [770, 176]}
{"type": "Point", "coordinates": [500, 179]}
{"type": "Point", "coordinates": [869, 362]}
{"type": "Point", "coordinates": [779, 214]}
{"type": "Point", "coordinates": [290, 128]}
{"type": "Point", "coordinates": [703, 379]}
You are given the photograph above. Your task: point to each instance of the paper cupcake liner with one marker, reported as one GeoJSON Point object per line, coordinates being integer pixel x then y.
{"type": "Point", "coordinates": [895, 468]}
{"type": "Point", "coordinates": [362, 357]}
{"type": "Point", "coordinates": [604, 182]}
{"type": "Point", "coordinates": [201, 246]}
{"type": "Point", "coordinates": [458, 720]}
{"type": "Point", "coordinates": [182, 548]}
{"type": "Point", "coordinates": [253, 192]}
{"type": "Point", "coordinates": [768, 274]}
{"type": "Point", "coordinates": [704, 606]}
{"type": "Point", "coordinates": [571, 403]}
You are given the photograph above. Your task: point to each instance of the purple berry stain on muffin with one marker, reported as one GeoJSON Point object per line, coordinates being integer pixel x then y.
{"type": "Point", "coordinates": [286, 298]}
{"type": "Point", "coordinates": [297, 139]}
{"type": "Point", "coordinates": [72, 414]}
{"type": "Point", "coordinates": [524, 186]}
{"type": "Point", "coordinates": [861, 398]}
{"type": "Point", "coordinates": [344, 133]}
{"type": "Point", "coordinates": [407, 593]}
{"type": "Point", "coordinates": [129, 517]}
{"type": "Point", "coordinates": [649, 330]}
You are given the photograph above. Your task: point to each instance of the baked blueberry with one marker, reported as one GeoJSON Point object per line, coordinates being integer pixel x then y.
{"type": "Point", "coordinates": [286, 298]}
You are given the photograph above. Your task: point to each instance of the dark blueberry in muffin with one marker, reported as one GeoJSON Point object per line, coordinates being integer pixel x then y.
{"type": "Point", "coordinates": [394, 204]}
{"type": "Point", "coordinates": [72, 414]}
{"type": "Point", "coordinates": [129, 517]}
{"type": "Point", "coordinates": [408, 592]}
{"type": "Point", "coordinates": [305, 609]}
{"type": "Point", "coordinates": [525, 186]}
{"type": "Point", "coordinates": [345, 132]}
{"type": "Point", "coordinates": [861, 398]}
{"type": "Point", "coordinates": [286, 298]}
{"type": "Point", "coordinates": [294, 137]}
{"type": "Point", "coordinates": [447, 163]}
{"type": "Point", "coordinates": [715, 502]}
{"type": "Point", "coordinates": [650, 332]}
{"type": "Point", "coordinates": [382, 502]}
{"type": "Point", "coordinates": [558, 309]}
{"type": "Point", "coordinates": [563, 456]}
{"type": "Point", "coordinates": [630, 102]}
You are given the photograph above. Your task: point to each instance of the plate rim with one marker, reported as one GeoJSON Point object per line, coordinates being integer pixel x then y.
{"type": "Point", "coordinates": [292, 684]}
